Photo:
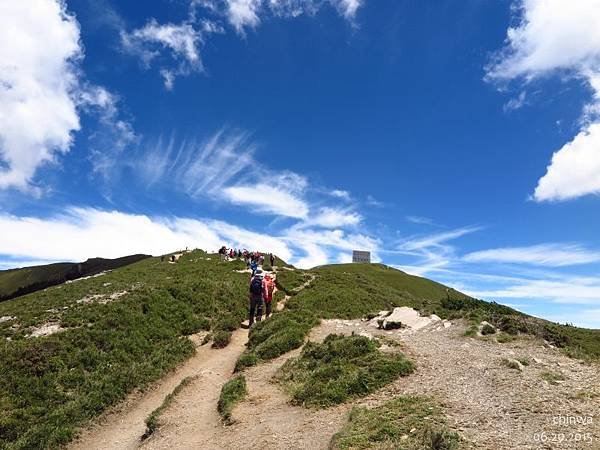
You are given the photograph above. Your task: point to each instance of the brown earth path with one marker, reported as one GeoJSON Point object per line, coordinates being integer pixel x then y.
{"type": "Point", "coordinates": [192, 421]}
{"type": "Point", "coordinates": [123, 427]}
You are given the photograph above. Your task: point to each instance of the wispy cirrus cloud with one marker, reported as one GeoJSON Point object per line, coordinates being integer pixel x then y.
{"type": "Point", "coordinates": [420, 220]}
{"type": "Point", "coordinates": [550, 255]}
{"type": "Point", "coordinates": [416, 243]}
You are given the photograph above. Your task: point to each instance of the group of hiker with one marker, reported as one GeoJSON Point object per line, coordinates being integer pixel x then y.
{"type": "Point", "coordinates": [262, 284]}
{"type": "Point", "coordinates": [253, 260]}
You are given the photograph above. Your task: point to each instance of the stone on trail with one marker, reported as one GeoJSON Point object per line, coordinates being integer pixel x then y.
{"type": "Point", "coordinates": [404, 317]}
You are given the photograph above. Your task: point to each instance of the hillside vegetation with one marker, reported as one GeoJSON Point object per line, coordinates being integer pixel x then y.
{"type": "Point", "coordinates": [116, 332]}
{"type": "Point", "coordinates": [17, 282]}
{"type": "Point", "coordinates": [70, 351]}
{"type": "Point", "coordinates": [352, 291]}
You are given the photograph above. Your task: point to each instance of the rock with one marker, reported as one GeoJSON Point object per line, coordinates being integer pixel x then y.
{"type": "Point", "coordinates": [435, 317]}
{"type": "Point", "coordinates": [447, 324]}
{"type": "Point", "coordinates": [405, 317]}
{"type": "Point", "coordinates": [514, 364]}
{"type": "Point", "coordinates": [6, 318]}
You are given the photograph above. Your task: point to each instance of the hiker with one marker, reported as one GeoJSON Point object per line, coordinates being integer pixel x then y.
{"type": "Point", "coordinates": [268, 288]}
{"type": "Point", "coordinates": [222, 253]}
{"type": "Point", "coordinates": [256, 297]}
{"type": "Point", "coordinates": [272, 259]}
{"type": "Point", "coordinates": [253, 267]}
{"type": "Point", "coordinates": [231, 254]}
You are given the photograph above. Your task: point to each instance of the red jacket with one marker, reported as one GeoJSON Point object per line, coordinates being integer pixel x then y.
{"type": "Point", "coordinates": [268, 288]}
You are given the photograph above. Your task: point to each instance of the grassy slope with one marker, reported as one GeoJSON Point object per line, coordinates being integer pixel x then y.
{"type": "Point", "coordinates": [22, 281]}
{"type": "Point", "coordinates": [356, 290]}
{"type": "Point", "coordinates": [13, 279]}
{"type": "Point", "coordinates": [51, 384]}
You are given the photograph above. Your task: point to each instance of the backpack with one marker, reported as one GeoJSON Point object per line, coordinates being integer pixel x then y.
{"type": "Point", "coordinates": [256, 286]}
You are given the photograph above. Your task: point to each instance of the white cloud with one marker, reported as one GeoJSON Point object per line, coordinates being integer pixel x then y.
{"type": "Point", "coordinates": [39, 52]}
{"type": "Point", "coordinates": [516, 103]}
{"type": "Point", "coordinates": [568, 291]}
{"type": "Point", "coordinates": [243, 13]}
{"type": "Point", "coordinates": [222, 168]}
{"type": "Point", "coordinates": [267, 199]}
{"type": "Point", "coordinates": [574, 170]}
{"type": "Point", "coordinates": [334, 218]}
{"type": "Point", "coordinates": [432, 251]}
{"type": "Point", "coordinates": [247, 13]}
{"type": "Point", "coordinates": [551, 255]}
{"type": "Point", "coordinates": [113, 135]}
{"type": "Point", "coordinates": [181, 40]}
{"type": "Point", "coordinates": [420, 220]}
{"type": "Point", "coordinates": [347, 8]}
{"type": "Point", "coordinates": [340, 193]}
{"type": "Point", "coordinates": [43, 91]}
{"type": "Point", "coordinates": [81, 233]}
{"type": "Point", "coordinates": [557, 36]}
{"type": "Point", "coordinates": [435, 240]}
{"type": "Point", "coordinates": [337, 239]}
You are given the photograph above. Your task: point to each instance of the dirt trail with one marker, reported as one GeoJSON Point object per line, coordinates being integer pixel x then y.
{"type": "Point", "coordinates": [123, 427]}
{"type": "Point", "coordinates": [265, 420]}
{"type": "Point", "coordinates": [192, 420]}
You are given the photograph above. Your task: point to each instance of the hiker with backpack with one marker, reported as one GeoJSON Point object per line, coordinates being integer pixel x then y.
{"type": "Point", "coordinates": [268, 289]}
{"type": "Point", "coordinates": [272, 260]}
{"type": "Point", "coordinates": [253, 267]}
{"type": "Point", "coordinates": [256, 297]}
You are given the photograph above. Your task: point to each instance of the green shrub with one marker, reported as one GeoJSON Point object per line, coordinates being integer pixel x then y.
{"type": "Point", "coordinates": [283, 332]}
{"type": "Point", "coordinates": [488, 329]}
{"type": "Point", "coordinates": [552, 377]}
{"type": "Point", "coordinates": [401, 423]}
{"type": "Point", "coordinates": [232, 392]}
{"type": "Point", "coordinates": [221, 339]}
{"type": "Point", "coordinates": [471, 331]}
{"type": "Point", "coordinates": [246, 359]}
{"type": "Point", "coordinates": [341, 368]}
{"type": "Point", "coordinates": [504, 338]}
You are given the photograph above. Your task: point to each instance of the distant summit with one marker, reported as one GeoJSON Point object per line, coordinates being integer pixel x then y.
{"type": "Point", "coordinates": [17, 282]}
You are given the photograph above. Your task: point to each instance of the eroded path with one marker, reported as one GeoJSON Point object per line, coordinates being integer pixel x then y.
{"type": "Point", "coordinates": [192, 420]}
{"type": "Point", "coordinates": [123, 427]}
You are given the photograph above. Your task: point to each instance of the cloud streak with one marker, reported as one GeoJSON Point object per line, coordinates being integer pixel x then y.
{"type": "Point", "coordinates": [550, 255]}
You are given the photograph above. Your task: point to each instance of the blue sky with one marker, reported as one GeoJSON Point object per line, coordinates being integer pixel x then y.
{"type": "Point", "coordinates": [455, 140]}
